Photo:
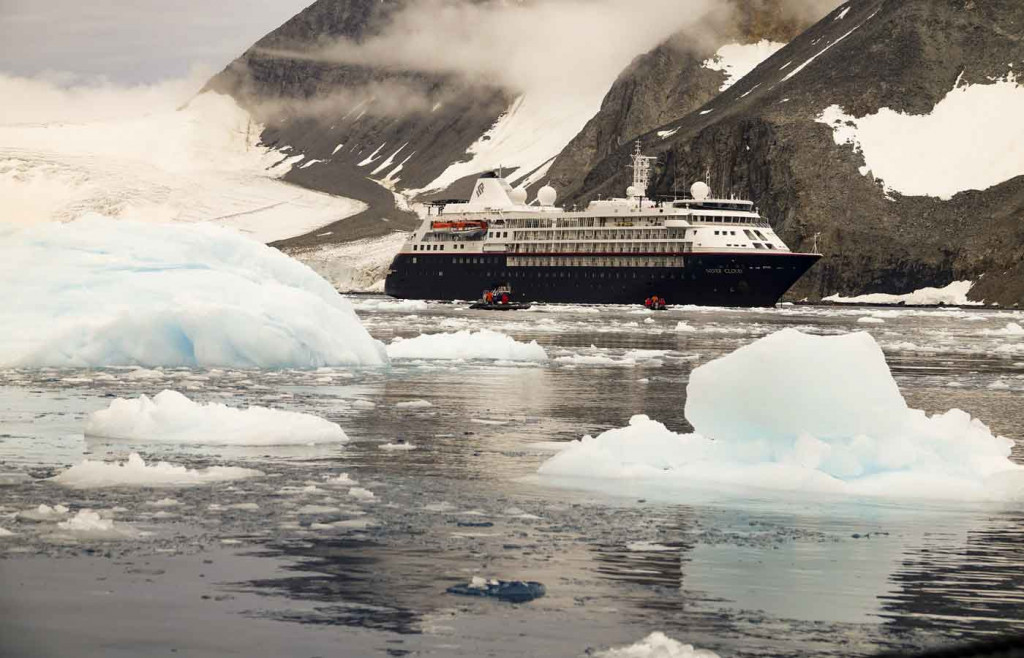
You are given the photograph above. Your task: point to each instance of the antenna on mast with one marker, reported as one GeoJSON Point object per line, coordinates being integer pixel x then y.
{"type": "Point", "coordinates": [641, 166]}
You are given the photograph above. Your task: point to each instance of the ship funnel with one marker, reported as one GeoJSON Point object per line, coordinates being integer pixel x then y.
{"type": "Point", "coordinates": [491, 192]}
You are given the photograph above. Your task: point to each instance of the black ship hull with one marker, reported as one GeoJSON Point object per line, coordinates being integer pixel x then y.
{"type": "Point", "coordinates": [726, 279]}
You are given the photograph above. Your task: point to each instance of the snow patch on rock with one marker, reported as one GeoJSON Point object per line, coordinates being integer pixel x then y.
{"type": "Point", "coordinates": [736, 60]}
{"type": "Point", "coordinates": [955, 294]}
{"type": "Point", "coordinates": [969, 141]}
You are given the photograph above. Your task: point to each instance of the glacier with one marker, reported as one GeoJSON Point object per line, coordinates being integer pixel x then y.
{"type": "Point", "coordinates": [158, 161]}
{"type": "Point", "coordinates": [104, 292]}
{"type": "Point", "coordinates": [797, 412]}
{"type": "Point", "coordinates": [170, 417]}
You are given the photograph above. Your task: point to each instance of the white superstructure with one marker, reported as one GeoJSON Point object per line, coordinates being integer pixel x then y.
{"type": "Point", "coordinates": [624, 232]}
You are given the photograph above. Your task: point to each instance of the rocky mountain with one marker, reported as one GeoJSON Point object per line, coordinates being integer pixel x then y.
{"type": "Point", "coordinates": [883, 129]}
{"type": "Point", "coordinates": [674, 79]}
{"type": "Point", "coordinates": [357, 127]}
{"type": "Point", "coordinates": [349, 121]}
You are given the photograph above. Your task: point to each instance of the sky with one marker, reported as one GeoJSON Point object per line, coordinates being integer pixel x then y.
{"type": "Point", "coordinates": [131, 41]}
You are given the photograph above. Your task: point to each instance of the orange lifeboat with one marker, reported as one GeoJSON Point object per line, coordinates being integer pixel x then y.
{"type": "Point", "coordinates": [460, 227]}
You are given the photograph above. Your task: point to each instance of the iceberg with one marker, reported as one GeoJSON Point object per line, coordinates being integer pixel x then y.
{"type": "Point", "coordinates": [483, 344]}
{"type": "Point", "coordinates": [798, 412]}
{"type": "Point", "coordinates": [103, 292]}
{"type": "Point", "coordinates": [657, 645]}
{"type": "Point", "coordinates": [170, 417]}
{"type": "Point", "coordinates": [135, 472]}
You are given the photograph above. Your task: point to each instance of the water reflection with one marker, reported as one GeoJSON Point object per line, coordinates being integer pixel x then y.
{"type": "Point", "coordinates": [962, 580]}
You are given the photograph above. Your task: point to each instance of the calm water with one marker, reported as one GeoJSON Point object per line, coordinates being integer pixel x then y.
{"type": "Point", "coordinates": [752, 576]}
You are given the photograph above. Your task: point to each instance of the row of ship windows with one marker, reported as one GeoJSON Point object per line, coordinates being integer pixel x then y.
{"type": "Point", "coordinates": [436, 247]}
{"type": "Point", "coordinates": [568, 274]}
{"type": "Point", "coordinates": [602, 247]}
{"type": "Point", "coordinates": [595, 261]}
{"type": "Point", "coordinates": [570, 261]}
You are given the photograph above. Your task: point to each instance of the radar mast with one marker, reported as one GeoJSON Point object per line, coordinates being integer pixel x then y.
{"type": "Point", "coordinates": [641, 167]}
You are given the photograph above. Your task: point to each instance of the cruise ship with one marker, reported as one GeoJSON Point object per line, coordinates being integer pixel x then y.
{"type": "Point", "coordinates": [696, 250]}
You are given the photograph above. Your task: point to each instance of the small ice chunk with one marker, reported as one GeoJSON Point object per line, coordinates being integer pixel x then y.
{"type": "Point", "coordinates": [867, 319]}
{"type": "Point", "coordinates": [90, 525]}
{"type": "Point", "coordinates": [43, 513]}
{"type": "Point", "coordinates": [6, 533]}
{"type": "Point", "coordinates": [397, 446]}
{"type": "Point", "coordinates": [136, 473]}
{"type": "Point", "coordinates": [360, 493]}
{"type": "Point", "coordinates": [483, 344]}
{"type": "Point", "coordinates": [342, 479]}
{"type": "Point", "coordinates": [414, 404]}
{"type": "Point", "coordinates": [363, 404]}
{"type": "Point", "coordinates": [170, 417]}
{"type": "Point", "coordinates": [164, 502]}
{"type": "Point", "coordinates": [683, 327]}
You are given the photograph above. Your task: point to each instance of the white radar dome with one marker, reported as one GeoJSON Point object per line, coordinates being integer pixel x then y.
{"type": "Point", "coordinates": [632, 191]}
{"type": "Point", "coordinates": [518, 196]}
{"type": "Point", "coordinates": [547, 195]}
{"type": "Point", "coordinates": [700, 191]}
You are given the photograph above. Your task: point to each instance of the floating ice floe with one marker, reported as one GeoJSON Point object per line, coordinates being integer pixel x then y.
{"type": "Point", "coordinates": [801, 413]}
{"type": "Point", "coordinates": [340, 480]}
{"type": "Point", "coordinates": [360, 493]}
{"type": "Point", "coordinates": [170, 417]}
{"type": "Point", "coordinates": [413, 404]}
{"type": "Point", "coordinates": [90, 525]}
{"type": "Point", "coordinates": [1012, 329]}
{"type": "Point", "coordinates": [43, 513]}
{"type": "Point", "coordinates": [101, 292]}
{"type": "Point", "coordinates": [6, 533]}
{"type": "Point", "coordinates": [136, 473]}
{"type": "Point", "coordinates": [396, 446]}
{"type": "Point", "coordinates": [483, 344]}
{"type": "Point", "coordinates": [657, 645]}
{"type": "Point", "coordinates": [955, 294]}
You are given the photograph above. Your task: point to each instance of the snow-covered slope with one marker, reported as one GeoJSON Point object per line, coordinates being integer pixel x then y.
{"type": "Point", "coordinates": [738, 59]}
{"type": "Point", "coordinates": [972, 139]}
{"type": "Point", "coordinates": [198, 163]}
{"type": "Point", "coordinates": [533, 130]}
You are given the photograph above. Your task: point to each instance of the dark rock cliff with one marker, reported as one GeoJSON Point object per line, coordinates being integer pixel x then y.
{"type": "Point", "coordinates": [761, 141]}
{"type": "Point", "coordinates": [342, 113]}
{"type": "Point", "coordinates": [670, 81]}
